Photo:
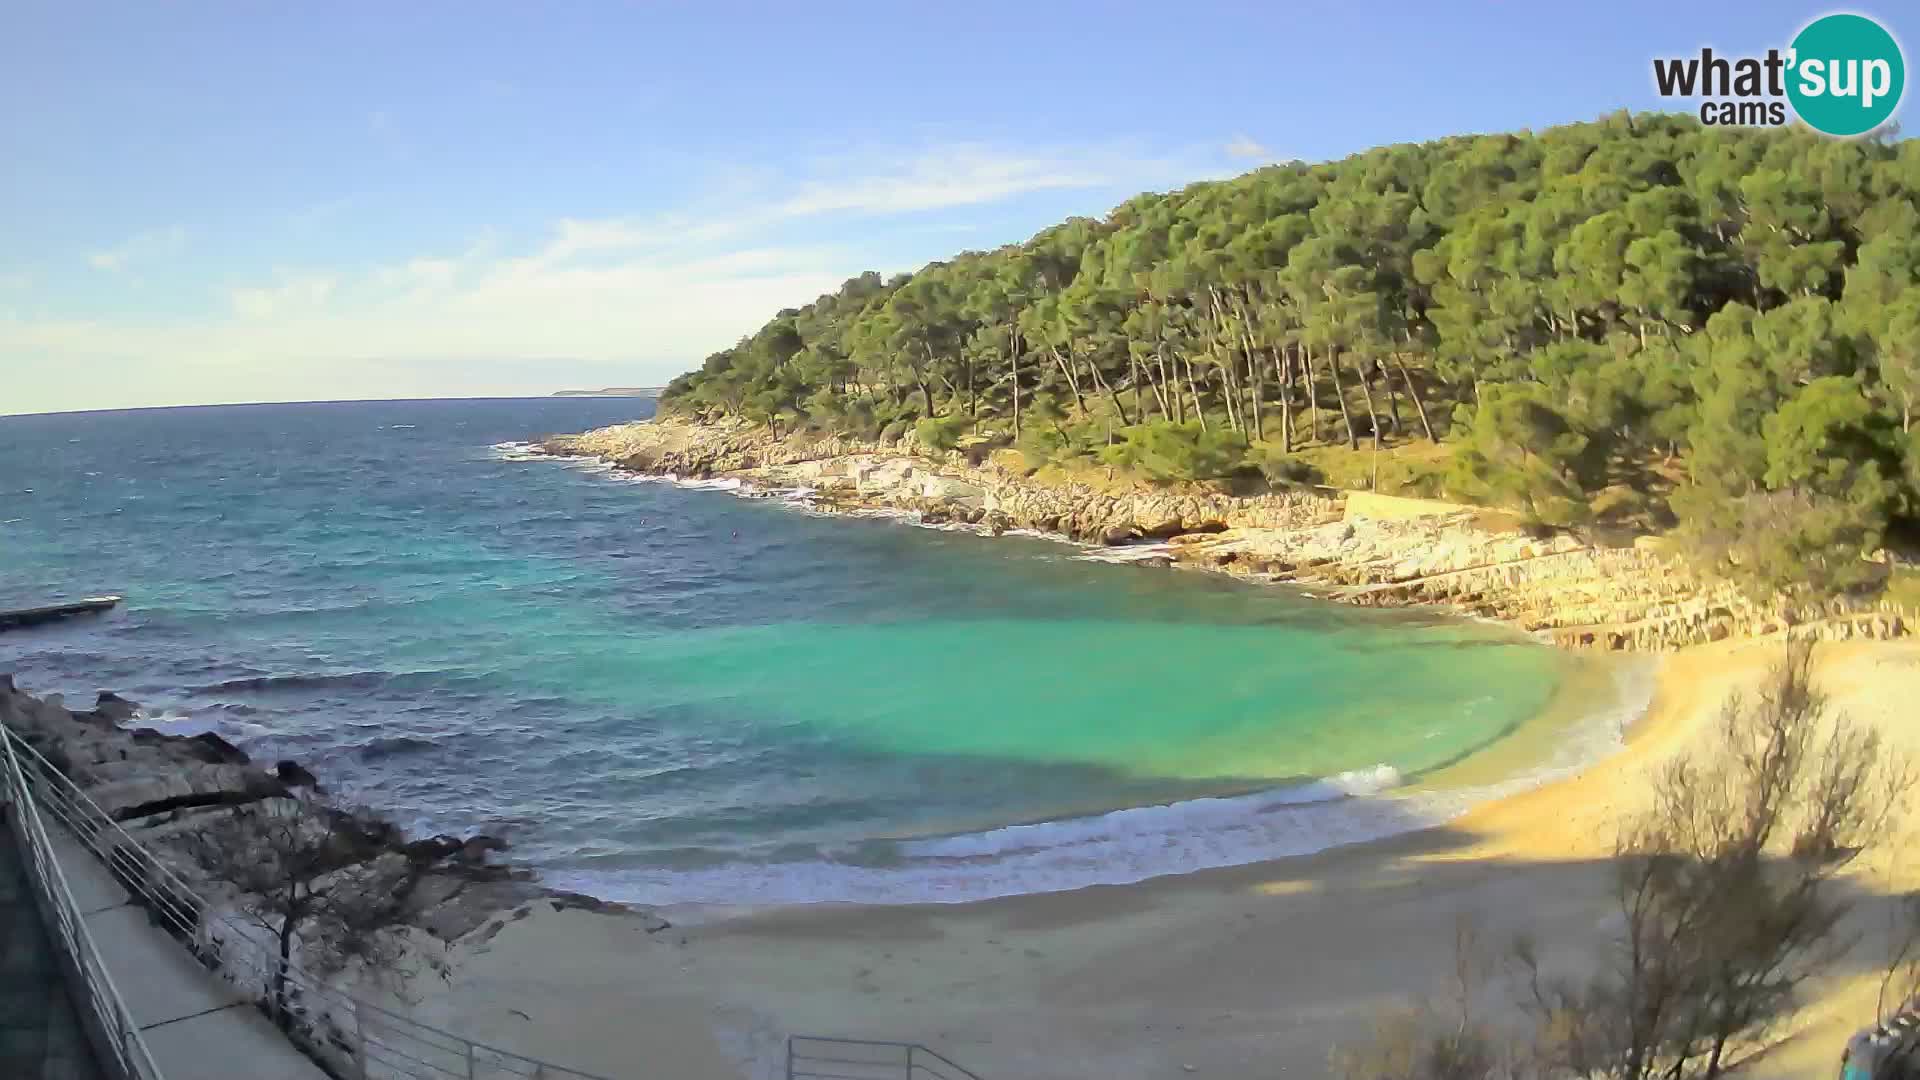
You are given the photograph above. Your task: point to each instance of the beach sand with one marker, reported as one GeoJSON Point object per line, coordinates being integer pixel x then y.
{"type": "Point", "coordinates": [1254, 971]}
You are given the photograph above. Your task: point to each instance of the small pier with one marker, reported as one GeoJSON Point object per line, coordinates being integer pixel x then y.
{"type": "Point", "coordinates": [34, 616]}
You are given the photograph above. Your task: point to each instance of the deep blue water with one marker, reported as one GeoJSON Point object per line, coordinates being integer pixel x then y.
{"type": "Point", "coordinates": [665, 694]}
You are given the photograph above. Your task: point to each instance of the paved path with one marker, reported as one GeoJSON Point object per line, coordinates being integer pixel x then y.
{"type": "Point", "coordinates": [40, 1033]}
{"type": "Point", "coordinates": [197, 1026]}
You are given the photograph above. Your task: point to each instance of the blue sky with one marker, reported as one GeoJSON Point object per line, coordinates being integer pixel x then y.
{"type": "Point", "coordinates": [243, 202]}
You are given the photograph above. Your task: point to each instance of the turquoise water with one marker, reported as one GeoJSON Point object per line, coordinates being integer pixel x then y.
{"type": "Point", "coordinates": [677, 695]}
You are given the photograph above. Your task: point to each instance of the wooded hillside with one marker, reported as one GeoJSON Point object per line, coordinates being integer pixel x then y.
{"type": "Point", "coordinates": [1716, 329]}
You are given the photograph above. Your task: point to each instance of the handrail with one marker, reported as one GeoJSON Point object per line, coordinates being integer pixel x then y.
{"type": "Point", "coordinates": [827, 1057]}
{"type": "Point", "coordinates": [124, 1042]}
{"type": "Point", "coordinates": [351, 1035]}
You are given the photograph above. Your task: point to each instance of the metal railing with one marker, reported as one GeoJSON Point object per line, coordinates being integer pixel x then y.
{"type": "Point", "coordinates": [819, 1057]}
{"type": "Point", "coordinates": [349, 1036]}
{"type": "Point", "coordinates": [119, 1036]}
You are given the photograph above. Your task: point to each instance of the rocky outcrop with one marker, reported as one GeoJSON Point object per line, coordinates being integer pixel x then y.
{"type": "Point", "coordinates": [163, 788]}
{"type": "Point", "coordinates": [1365, 549]}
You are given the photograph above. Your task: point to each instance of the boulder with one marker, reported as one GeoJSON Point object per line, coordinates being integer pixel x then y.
{"type": "Point", "coordinates": [187, 785]}
{"type": "Point", "coordinates": [949, 489]}
{"type": "Point", "coordinates": [113, 708]}
{"type": "Point", "coordinates": [295, 775]}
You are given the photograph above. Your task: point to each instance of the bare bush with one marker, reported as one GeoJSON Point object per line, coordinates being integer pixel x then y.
{"type": "Point", "coordinates": [1725, 889]}
{"type": "Point", "coordinates": [306, 874]}
{"type": "Point", "coordinates": [1443, 1038]}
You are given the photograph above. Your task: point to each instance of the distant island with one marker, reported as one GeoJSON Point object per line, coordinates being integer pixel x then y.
{"type": "Point", "coordinates": [613, 391]}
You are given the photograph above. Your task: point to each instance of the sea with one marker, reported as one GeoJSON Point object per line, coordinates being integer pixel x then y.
{"type": "Point", "coordinates": [676, 694]}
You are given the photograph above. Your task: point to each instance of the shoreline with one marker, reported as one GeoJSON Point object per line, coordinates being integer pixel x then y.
{"type": "Point", "coordinates": [1594, 701]}
{"type": "Point", "coordinates": [1244, 972]}
{"type": "Point", "coordinates": [1350, 547]}
{"type": "Point", "coordinates": [1570, 732]}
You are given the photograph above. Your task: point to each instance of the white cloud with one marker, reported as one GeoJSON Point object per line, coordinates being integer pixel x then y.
{"type": "Point", "coordinates": [1245, 146]}
{"type": "Point", "coordinates": [150, 246]}
{"type": "Point", "coordinates": [426, 325]}
{"type": "Point", "coordinates": [292, 292]}
{"type": "Point", "coordinates": [968, 174]}
{"type": "Point", "coordinates": [644, 295]}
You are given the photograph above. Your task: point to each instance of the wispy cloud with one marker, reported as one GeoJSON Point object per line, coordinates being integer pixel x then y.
{"type": "Point", "coordinates": [291, 292]}
{"type": "Point", "coordinates": [150, 246]}
{"type": "Point", "coordinates": [650, 291]}
{"type": "Point", "coordinates": [1246, 147]}
{"type": "Point", "coordinates": [580, 296]}
{"type": "Point", "coordinates": [969, 174]}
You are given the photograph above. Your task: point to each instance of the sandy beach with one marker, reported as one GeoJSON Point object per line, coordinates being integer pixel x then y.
{"type": "Point", "coordinates": [1254, 971]}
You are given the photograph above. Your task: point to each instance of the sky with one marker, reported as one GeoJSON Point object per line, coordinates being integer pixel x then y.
{"type": "Point", "coordinates": [222, 202]}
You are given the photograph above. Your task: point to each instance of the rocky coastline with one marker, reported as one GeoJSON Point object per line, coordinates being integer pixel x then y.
{"type": "Point", "coordinates": [1348, 547]}
{"type": "Point", "coordinates": [162, 789]}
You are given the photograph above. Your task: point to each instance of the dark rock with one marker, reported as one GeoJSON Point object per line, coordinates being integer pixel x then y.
{"type": "Point", "coordinates": [293, 774]}
{"type": "Point", "coordinates": [113, 708]}
{"type": "Point", "coordinates": [213, 749]}
{"type": "Point", "coordinates": [649, 921]}
{"type": "Point", "coordinates": [475, 849]}
{"type": "Point", "coordinates": [254, 790]}
{"type": "Point", "coordinates": [431, 849]}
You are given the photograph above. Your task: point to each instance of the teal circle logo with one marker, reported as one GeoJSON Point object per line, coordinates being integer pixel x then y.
{"type": "Point", "coordinates": [1846, 75]}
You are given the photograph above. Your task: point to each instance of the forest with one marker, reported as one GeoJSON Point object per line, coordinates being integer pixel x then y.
{"type": "Point", "coordinates": [1638, 321]}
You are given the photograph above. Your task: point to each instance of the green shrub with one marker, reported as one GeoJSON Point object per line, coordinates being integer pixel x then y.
{"type": "Point", "coordinates": [942, 432]}
{"type": "Point", "coordinates": [1285, 470]}
{"type": "Point", "coordinates": [1169, 452]}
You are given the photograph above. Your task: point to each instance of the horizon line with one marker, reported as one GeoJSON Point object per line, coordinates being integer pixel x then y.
{"type": "Point", "coordinates": [555, 395]}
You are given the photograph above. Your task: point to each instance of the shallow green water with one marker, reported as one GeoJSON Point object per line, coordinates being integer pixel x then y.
{"type": "Point", "coordinates": [675, 694]}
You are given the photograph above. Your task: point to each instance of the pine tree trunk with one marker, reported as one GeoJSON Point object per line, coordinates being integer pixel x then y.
{"type": "Point", "coordinates": [1133, 373]}
{"type": "Point", "coordinates": [1340, 395]}
{"type": "Point", "coordinates": [1253, 376]}
{"type": "Point", "coordinates": [1414, 393]}
{"type": "Point", "coordinates": [1013, 363]}
{"type": "Point", "coordinates": [1199, 411]}
{"type": "Point", "coordinates": [1229, 392]}
{"type": "Point", "coordinates": [1393, 396]}
{"type": "Point", "coordinates": [1253, 371]}
{"type": "Point", "coordinates": [1366, 393]}
{"type": "Point", "coordinates": [1169, 389]}
{"type": "Point", "coordinates": [1283, 366]}
{"type": "Point", "coordinates": [1313, 397]}
{"type": "Point", "coordinates": [1101, 382]}
{"type": "Point", "coordinates": [1072, 382]}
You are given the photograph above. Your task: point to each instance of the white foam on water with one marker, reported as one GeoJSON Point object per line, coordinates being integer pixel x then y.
{"type": "Point", "coordinates": [801, 499]}
{"type": "Point", "coordinates": [1122, 846]}
{"type": "Point", "coordinates": [1127, 553]}
{"type": "Point", "coordinates": [525, 451]}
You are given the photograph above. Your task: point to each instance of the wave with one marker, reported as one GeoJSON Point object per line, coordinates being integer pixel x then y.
{"type": "Point", "coordinates": [1170, 819]}
{"type": "Point", "coordinates": [1127, 553]}
{"type": "Point", "coordinates": [352, 680]}
{"type": "Point", "coordinates": [801, 499]}
{"type": "Point", "coordinates": [1116, 848]}
{"type": "Point", "coordinates": [388, 746]}
{"type": "Point", "coordinates": [726, 484]}
{"type": "Point", "coordinates": [526, 451]}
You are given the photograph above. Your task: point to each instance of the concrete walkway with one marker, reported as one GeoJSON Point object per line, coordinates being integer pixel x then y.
{"type": "Point", "coordinates": [41, 1037]}
{"type": "Point", "coordinates": [197, 1026]}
